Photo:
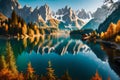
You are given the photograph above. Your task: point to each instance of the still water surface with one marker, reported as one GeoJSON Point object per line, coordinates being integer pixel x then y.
{"type": "Point", "coordinates": [79, 58]}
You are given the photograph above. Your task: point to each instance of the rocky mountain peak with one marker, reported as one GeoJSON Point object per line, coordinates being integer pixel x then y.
{"type": "Point", "coordinates": [101, 13]}
{"type": "Point", "coordinates": [69, 17]}
{"type": "Point", "coordinates": [40, 18]}
{"type": "Point", "coordinates": [66, 7]}
{"type": "Point", "coordinates": [7, 6]}
{"type": "Point", "coordinates": [83, 10]}
{"type": "Point", "coordinates": [26, 7]}
{"type": "Point", "coordinates": [41, 14]}
{"type": "Point", "coordinates": [46, 6]}
{"type": "Point", "coordinates": [83, 14]}
{"type": "Point", "coordinates": [45, 12]}
{"type": "Point", "coordinates": [37, 8]}
{"type": "Point", "coordinates": [108, 1]}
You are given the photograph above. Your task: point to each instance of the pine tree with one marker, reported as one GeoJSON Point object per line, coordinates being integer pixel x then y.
{"type": "Point", "coordinates": [50, 72]}
{"type": "Point", "coordinates": [37, 32]}
{"type": "Point", "coordinates": [6, 28]}
{"type": "Point", "coordinates": [3, 64]}
{"type": "Point", "coordinates": [31, 32]}
{"type": "Point", "coordinates": [9, 69]}
{"type": "Point", "coordinates": [30, 72]}
{"type": "Point", "coordinates": [96, 77]}
{"type": "Point", "coordinates": [10, 59]}
{"type": "Point", "coordinates": [14, 18]}
{"type": "Point", "coordinates": [118, 27]}
{"type": "Point", "coordinates": [24, 29]}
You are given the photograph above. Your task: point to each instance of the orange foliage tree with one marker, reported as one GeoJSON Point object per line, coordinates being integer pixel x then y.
{"type": "Point", "coordinates": [112, 31]}
{"type": "Point", "coordinates": [96, 77]}
{"type": "Point", "coordinates": [50, 72]}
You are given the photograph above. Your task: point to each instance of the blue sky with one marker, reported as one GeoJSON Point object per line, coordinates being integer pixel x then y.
{"type": "Point", "coordinates": [89, 5]}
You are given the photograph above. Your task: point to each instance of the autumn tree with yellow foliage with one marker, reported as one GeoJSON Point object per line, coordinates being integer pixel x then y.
{"type": "Point", "coordinates": [112, 33]}
{"type": "Point", "coordinates": [50, 72]}
{"type": "Point", "coordinates": [96, 77]}
{"type": "Point", "coordinates": [30, 73]}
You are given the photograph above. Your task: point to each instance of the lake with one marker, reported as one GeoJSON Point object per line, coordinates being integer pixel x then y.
{"type": "Point", "coordinates": [80, 59]}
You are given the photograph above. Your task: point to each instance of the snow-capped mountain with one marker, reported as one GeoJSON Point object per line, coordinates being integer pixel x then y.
{"type": "Point", "coordinates": [68, 17]}
{"type": "Point", "coordinates": [101, 14]}
{"type": "Point", "coordinates": [30, 15]}
{"type": "Point", "coordinates": [104, 11]}
{"type": "Point", "coordinates": [82, 14]}
{"type": "Point", "coordinates": [113, 17]}
{"type": "Point", "coordinates": [65, 15]}
{"type": "Point", "coordinates": [6, 6]}
{"type": "Point", "coordinates": [108, 3]}
{"type": "Point", "coordinates": [45, 12]}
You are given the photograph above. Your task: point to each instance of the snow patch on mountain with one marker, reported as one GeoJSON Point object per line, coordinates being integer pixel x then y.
{"type": "Point", "coordinates": [101, 14]}
{"type": "Point", "coordinates": [66, 16]}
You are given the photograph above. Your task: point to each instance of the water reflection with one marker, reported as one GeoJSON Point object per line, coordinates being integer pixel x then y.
{"type": "Point", "coordinates": [95, 47]}
{"type": "Point", "coordinates": [114, 57]}
{"type": "Point", "coordinates": [49, 44]}
{"type": "Point", "coordinates": [65, 53]}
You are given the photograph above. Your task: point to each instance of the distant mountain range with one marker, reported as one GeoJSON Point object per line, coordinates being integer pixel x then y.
{"type": "Point", "coordinates": [70, 18]}
{"type": "Point", "coordinates": [67, 18]}
{"type": "Point", "coordinates": [64, 18]}
{"type": "Point", "coordinates": [82, 14]}
{"type": "Point", "coordinates": [101, 14]}
{"type": "Point", "coordinates": [114, 17]}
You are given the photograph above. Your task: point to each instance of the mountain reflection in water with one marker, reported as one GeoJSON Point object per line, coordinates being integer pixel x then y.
{"type": "Point", "coordinates": [80, 59]}
{"type": "Point", "coordinates": [114, 57]}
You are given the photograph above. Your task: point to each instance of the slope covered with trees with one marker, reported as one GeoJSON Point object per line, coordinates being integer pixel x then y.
{"type": "Point", "coordinates": [114, 17]}
{"type": "Point", "coordinates": [16, 26]}
{"type": "Point", "coordinates": [112, 33]}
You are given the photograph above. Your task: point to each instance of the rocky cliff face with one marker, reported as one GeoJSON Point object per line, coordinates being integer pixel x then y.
{"type": "Point", "coordinates": [82, 14]}
{"type": "Point", "coordinates": [101, 14]}
{"type": "Point", "coordinates": [65, 15]}
{"type": "Point", "coordinates": [6, 6]}
{"type": "Point", "coordinates": [33, 15]}
{"type": "Point", "coordinates": [24, 12]}
{"type": "Point", "coordinates": [69, 18]}
{"type": "Point", "coordinates": [45, 12]}
{"type": "Point", "coordinates": [114, 17]}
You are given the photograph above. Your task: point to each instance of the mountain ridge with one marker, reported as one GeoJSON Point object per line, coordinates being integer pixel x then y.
{"type": "Point", "coordinates": [32, 15]}
{"type": "Point", "coordinates": [114, 17]}
{"type": "Point", "coordinates": [101, 14]}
